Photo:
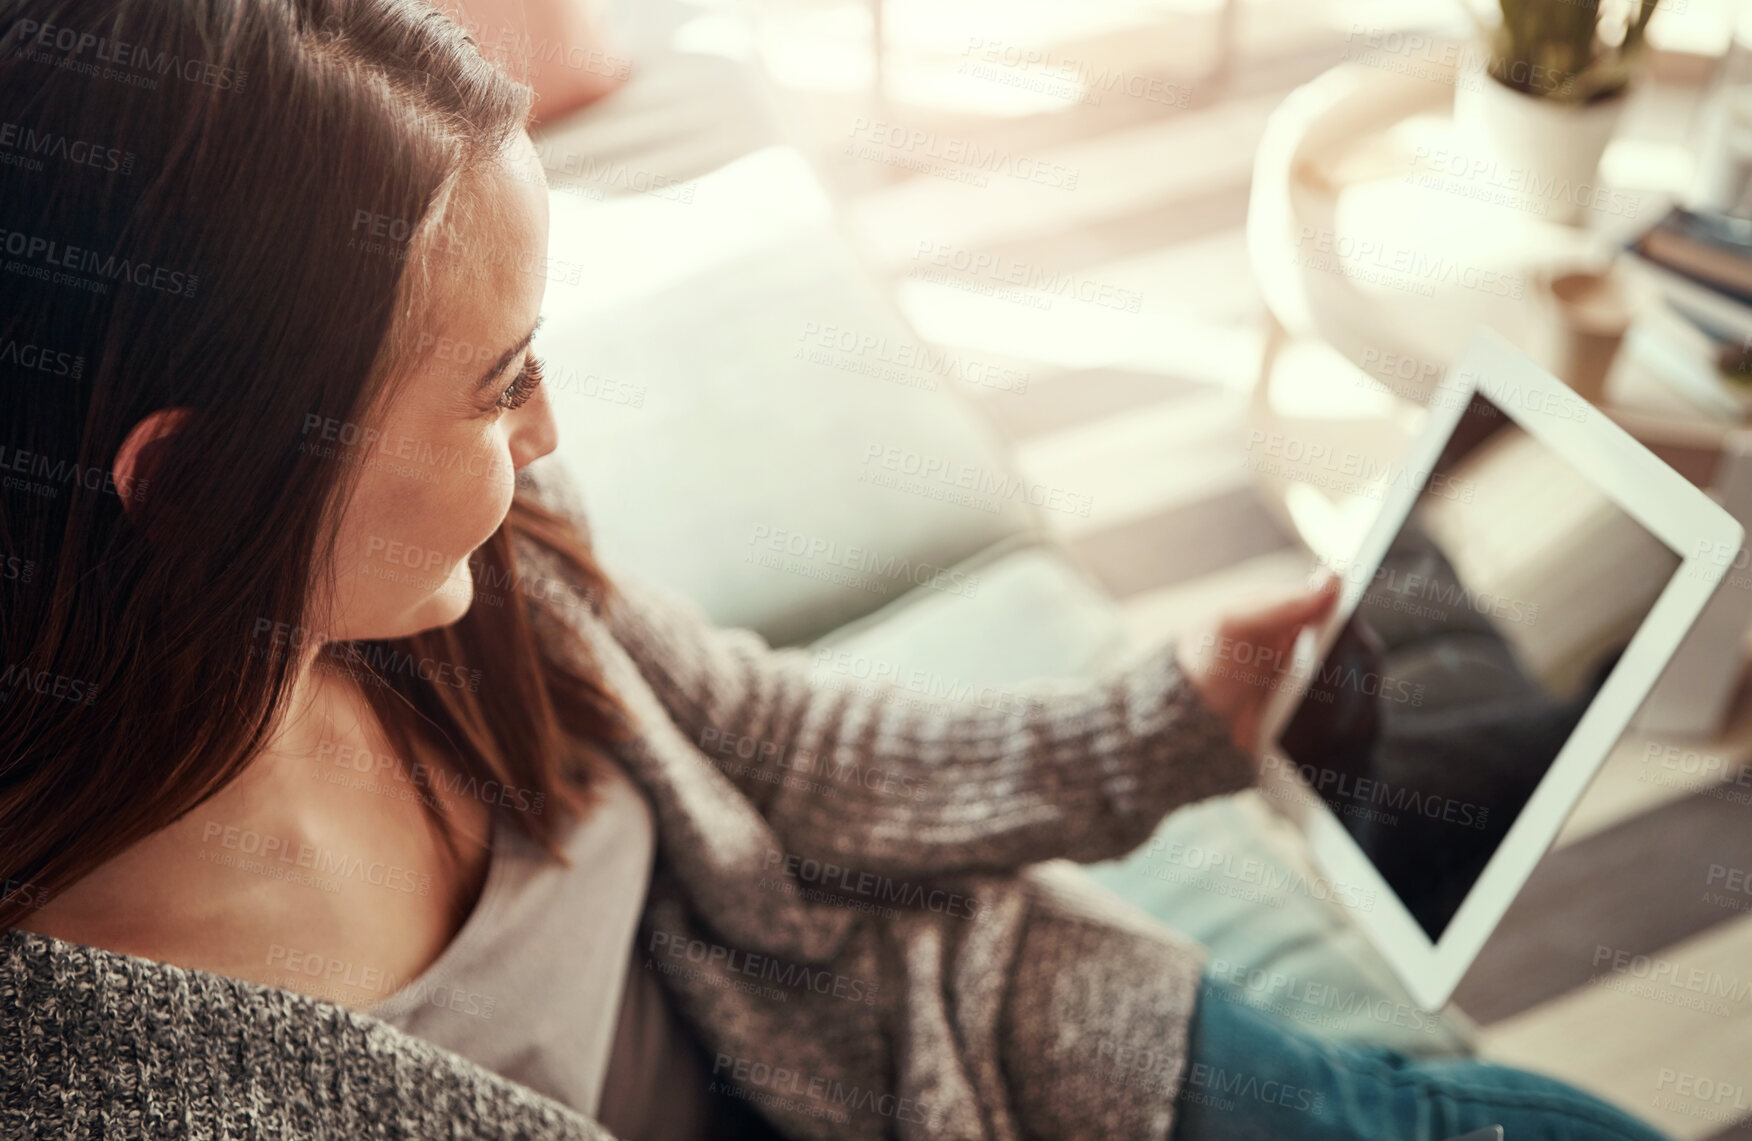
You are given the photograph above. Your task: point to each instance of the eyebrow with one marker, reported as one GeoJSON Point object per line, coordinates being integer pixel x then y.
{"type": "Point", "coordinates": [507, 356]}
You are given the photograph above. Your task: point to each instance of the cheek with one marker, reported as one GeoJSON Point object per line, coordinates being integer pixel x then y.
{"type": "Point", "coordinates": [434, 508]}
{"type": "Point", "coordinates": [470, 497]}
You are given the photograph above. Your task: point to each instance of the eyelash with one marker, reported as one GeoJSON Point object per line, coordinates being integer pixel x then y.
{"type": "Point", "coordinates": [521, 389]}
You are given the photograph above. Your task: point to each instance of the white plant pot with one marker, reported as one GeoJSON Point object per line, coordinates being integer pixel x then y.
{"type": "Point", "coordinates": [1555, 147]}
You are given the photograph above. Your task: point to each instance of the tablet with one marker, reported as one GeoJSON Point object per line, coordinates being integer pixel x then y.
{"type": "Point", "coordinates": [1530, 573]}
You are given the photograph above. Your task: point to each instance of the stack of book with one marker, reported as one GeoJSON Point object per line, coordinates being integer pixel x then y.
{"type": "Point", "coordinates": [1698, 337]}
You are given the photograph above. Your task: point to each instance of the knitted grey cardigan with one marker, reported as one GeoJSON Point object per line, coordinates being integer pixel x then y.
{"type": "Point", "coordinates": [843, 907]}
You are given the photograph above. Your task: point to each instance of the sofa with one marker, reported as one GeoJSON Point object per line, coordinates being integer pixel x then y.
{"type": "Point", "coordinates": [751, 422]}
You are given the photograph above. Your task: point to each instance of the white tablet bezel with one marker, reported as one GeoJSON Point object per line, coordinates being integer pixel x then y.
{"type": "Point", "coordinates": [1704, 537]}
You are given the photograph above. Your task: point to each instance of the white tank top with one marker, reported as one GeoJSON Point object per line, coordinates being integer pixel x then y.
{"type": "Point", "coordinates": [537, 985]}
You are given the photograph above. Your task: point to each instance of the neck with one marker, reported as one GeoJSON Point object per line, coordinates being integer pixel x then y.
{"type": "Point", "coordinates": [278, 810]}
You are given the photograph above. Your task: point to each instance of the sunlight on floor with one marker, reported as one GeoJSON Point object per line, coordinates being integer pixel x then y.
{"type": "Point", "coordinates": [979, 57]}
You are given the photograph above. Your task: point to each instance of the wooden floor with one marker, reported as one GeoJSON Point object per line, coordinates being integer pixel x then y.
{"type": "Point", "coordinates": [1619, 968]}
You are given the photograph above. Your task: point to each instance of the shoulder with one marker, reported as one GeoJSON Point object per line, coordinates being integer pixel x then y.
{"type": "Point", "coordinates": [94, 1022]}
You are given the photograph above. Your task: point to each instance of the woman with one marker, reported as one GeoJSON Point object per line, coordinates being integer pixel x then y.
{"type": "Point", "coordinates": [343, 796]}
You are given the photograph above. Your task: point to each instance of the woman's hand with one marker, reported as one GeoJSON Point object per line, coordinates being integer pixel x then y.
{"type": "Point", "coordinates": [1238, 662]}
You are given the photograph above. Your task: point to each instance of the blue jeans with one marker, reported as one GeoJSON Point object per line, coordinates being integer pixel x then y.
{"type": "Point", "coordinates": [1252, 1077]}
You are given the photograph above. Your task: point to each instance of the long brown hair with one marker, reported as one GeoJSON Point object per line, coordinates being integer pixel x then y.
{"type": "Point", "coordinates": [182, 186]}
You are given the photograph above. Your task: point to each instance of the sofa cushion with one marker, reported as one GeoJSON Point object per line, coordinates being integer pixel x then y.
{"type": "Point", "coordinates": [741, 409]}
{"type": "Point", "coordinates": [1017, 611]}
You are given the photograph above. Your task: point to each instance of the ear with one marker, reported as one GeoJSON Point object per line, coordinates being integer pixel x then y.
{"type": "Point", "coordinates": [134, 458]}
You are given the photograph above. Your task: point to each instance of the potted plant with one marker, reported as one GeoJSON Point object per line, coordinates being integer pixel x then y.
{"type": "Point", "coordinates": [1553, 86]}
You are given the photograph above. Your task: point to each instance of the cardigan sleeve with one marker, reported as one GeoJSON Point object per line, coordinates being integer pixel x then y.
{"type": "Point", "coordinates": [903, 774]}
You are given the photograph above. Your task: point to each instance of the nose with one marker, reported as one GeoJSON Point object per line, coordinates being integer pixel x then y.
{"type": "Point", "coordinates": [534, 433]}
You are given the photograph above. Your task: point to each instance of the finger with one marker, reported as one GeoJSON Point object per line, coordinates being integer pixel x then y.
{"type": "Point", "coordinates": [1266, 649]}
{"type": "Point", "coordinates": [1289, 613]}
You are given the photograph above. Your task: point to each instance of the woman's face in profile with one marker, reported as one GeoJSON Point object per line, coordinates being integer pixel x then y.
{"type": "Point", "coordinates": [437, 479]}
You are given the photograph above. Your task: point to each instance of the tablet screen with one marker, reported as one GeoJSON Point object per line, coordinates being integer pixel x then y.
{"type": "Point", "coordinates": [1500, 609]}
